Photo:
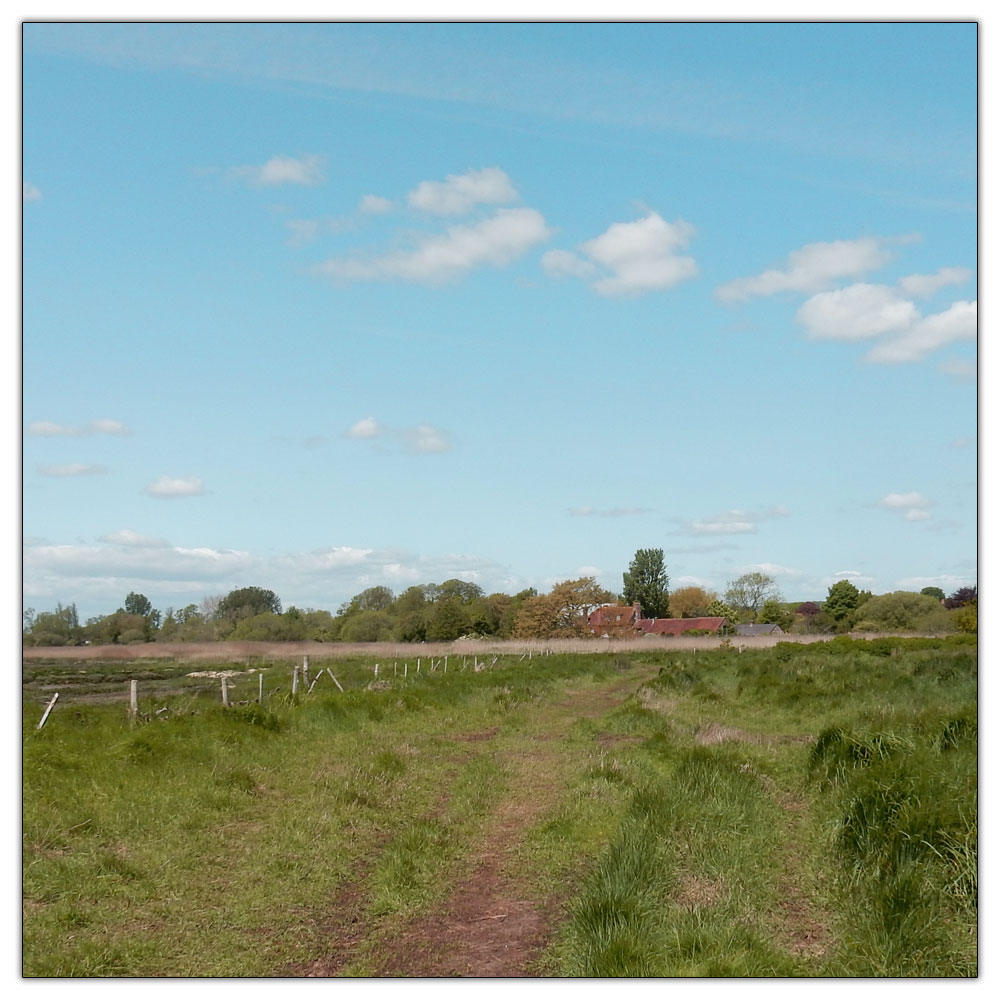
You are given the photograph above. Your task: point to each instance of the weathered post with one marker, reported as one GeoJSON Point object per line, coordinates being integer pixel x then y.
{"type": "Point", "coordinates": [260, 688]}
{"type": "Point", "coordinates": [305, 669]}
{"type": "Point", "coordinates": [376, 670]}
{"type": "Point", "coordinates": [446, 664]}
{"type": "Point", "coordinates": [295, 679]}
{"type": "Point", "coordinates": [225, 691]}
{"type": "Point", "coordinates": [133, 698]}
{"type": "Point", "coordinates": [48, 708]}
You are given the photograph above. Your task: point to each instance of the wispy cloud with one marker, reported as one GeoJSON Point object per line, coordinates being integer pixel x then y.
{"type": "Point", "coordinates": [49, 428]}
{"type": "Point", "coordinates": [305, 170]}
{"type": "Point", "coordinates": [71, 469]}
{"type": "Point", "coordinates": [437, 258]}
{"type": "Point", "coordinates": [923, 286]}
{"type": "Point", "coordinates": [629, 258]}
{"type": "Point", "coordinates": [168, 487]}
{"type": "Point", "coordinates": [815, 267]}
{"type": "Point", "coordinates": [374, 204]}
{"type": "Point", "coordinates": [959, 322]}
{"type": "Point", "coordinates": [458, 193]}
{"type": "Point", "coordinates": [608, 511]}
{"type": "Point", "coordinates": [29, 192]}
{"type": "Point", "coordinates": [424, 439]}
{"type": "Point", "coordinates": [734, 522]}
{"type": "Point", "coordinates": [959, 369]}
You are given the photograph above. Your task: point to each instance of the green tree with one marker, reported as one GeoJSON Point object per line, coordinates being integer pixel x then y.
{"type": "Point", "coordinates": [449, 620]}
{"type": "Point", "coordinates": [246, 602]}
{"type": "Point", "coordinates": [137, 604]}
{"type": "Point", "coordinates": [935, 592]}
{"type": "Point", "coordinates": [719, 609]}
{"type": "Point", "coordinates": [54, 628]}
{"type": "Point", "coordinates": [841, 600]}
{"type": "Point", "coordinates": [646, 581]}
{"type": "Point", "coordinates": [367, 626]}
{"type": "Point", "coordinates": [748, 592]}
{"type": "Point", "coordinates": [463, 590]}
{"type": "Point", "coordinates": [773, 613]}
{"type": "Point", "coordinates": [904, 611]}
{"type": "Point", "coordinates": [562, 613]}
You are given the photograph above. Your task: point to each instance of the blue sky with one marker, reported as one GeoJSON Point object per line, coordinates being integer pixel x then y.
{"type": "Point", "coordinates": [316, 307]}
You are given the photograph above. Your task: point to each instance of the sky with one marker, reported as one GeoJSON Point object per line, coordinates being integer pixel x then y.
{"type": "Point", "coordinates": [317, 307]}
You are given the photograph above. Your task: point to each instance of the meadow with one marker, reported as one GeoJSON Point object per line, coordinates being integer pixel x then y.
{"type": "Point", "coordinates": [796, 810]}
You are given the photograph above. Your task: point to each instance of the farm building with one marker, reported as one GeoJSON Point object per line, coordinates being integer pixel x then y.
{"type": "Point", "coordinates": [759, 630]}
{"type": "Point", "coordinates": [620, 619]}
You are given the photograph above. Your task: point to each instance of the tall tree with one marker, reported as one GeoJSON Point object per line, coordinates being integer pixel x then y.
{"type": "Point", "coordinates": [841, 599]}
{"type": "Point", "coordinates": [747, 593]}
{"type": "Point", "coordinates": [646, 581]}
{"type": "Point", "coordinates": [137, 604]}
{"type": "Point", "coordinates": [691, 602]}
{"type": "Point", "coordinates": [246, 602]}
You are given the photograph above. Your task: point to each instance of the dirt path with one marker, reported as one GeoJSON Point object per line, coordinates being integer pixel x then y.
{"type": "Point", "coordinates": [493, 924]}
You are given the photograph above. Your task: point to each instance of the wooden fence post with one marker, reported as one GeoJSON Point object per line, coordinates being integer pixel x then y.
{"type": "Point", "coordinates": [418, 664]}
{"type": "Point", "coordinates": [133, 698]}
{"type": "Point", "coordinates": [225, 691]}
{"type": "Point", "coordinates": [335, 681]}
{"type": "Point", "coordinates": [295, 679]}
{"type": "Point", "coordinates": [48, 709]}
{"type": "Point", "coordinates": [376, 670]}
{"type": "Point", "coordinates": [305, 669]}
{"type": "Point", "coordinates": [260, 688]}
{"type": "Point", "coordinates": [446, 664]}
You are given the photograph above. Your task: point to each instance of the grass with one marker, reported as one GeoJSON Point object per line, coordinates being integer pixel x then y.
{"type": "Point", "coordinates": [806, 810]}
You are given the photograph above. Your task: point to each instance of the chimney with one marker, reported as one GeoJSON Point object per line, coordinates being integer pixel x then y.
{"type": "Point", "coordinates": [637, 610]}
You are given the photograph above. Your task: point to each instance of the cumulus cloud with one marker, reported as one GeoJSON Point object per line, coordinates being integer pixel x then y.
{"type": "Point", "coordinates": [923, 286]}
{"type": "Point", "coordinates": [126, 536]}
{"type": "Point", "coordinates": [860, 580]}
{"type": "Point", "coordinates": [946, 581]}
{"type": "Point", "coordinates": [959, 322]}
{"type": "Point", "coordinates": [857, 312]}
{"type": "Point", "coordinates": [305, 170]}
{"type": "Point", "coordinates": [911, 506]}
{"type": "Point", "coordinates": [366, 427]}
{"type": "Point", "coordinates": [629, 258]}
{"type": "Point", "coordinates": [48, 428]}
{"type": "Point", "coordinates": [374, 204]}
{"type": "Point", "coordinates": [29, 192]}
{"type": "Point", "coordinates": [771, 569]}
{"type": "Point", "coordinates": [170, 486]}
{"type": "Point", "coordinates": [734, 522]}
{"type": "Point", "coordinates": [459, 193]}
{"type": "Point", "coordinates": [437, 258]}
{"type": "Point", "coordinates": [72, 469]}
{"type": "Point", "coordinates": [815, 267]}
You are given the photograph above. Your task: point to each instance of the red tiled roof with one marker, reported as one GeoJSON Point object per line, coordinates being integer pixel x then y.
{"type": "Point", "coordinates": [610, 614]}
{"type": "Point", "coordinates": [675, 626]}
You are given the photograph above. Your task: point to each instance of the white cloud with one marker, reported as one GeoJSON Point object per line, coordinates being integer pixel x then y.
{"type": "Point", "coordinates": [29, 192]}
{"type": "Point", "coordinates": [458, 193]}
{"type": "Point", "coordinates": [923, 286]}
{"type": "Point", "coordinates": [734, 522]}
{"type": "Point", "coordinates": [630, 258]}
{"type": "Point", "coordinates": [857, 312]}
{"type": "Point", "coordinates": [425, 439]}
{"type": "Point", "coordinates": [72, 469]}
{"type": "Point", "coordinates": [306, 170]}
{"type": "Point", "coordinates": [367, 427]}
{"type": "Point", "coordinates": [373, 204]}
{"type": "Point", "coordinates": [564, 263]}
{"type": "Point", "coordinates": [106, 426]}
{"type": "Point", "coordinates": [814, 267]}
{"type": "Point", "coordinates": [132, 538]}
{"type": "Point", "coordinates": [169, 486]}
{"type": "Point", "coordinates": [912, 506]}
{"type": "Point", "coordinates": [959, 369]}
{"type": "Point", "coordinates": [959, 322]}
{"type": "Point", "coordinates": [859, 579]}
{"type": "Point", "coordinates": [437, 258]}
{"type": "Point", "coordinates": [897, 500]}
{"type": "Point", "coordinates": [48, 428]}
{"type": "Point", "coordinates": [587, 511]}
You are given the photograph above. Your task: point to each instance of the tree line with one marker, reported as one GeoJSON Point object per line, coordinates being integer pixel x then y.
{"type": "Point", "coordinates": [443, 612]}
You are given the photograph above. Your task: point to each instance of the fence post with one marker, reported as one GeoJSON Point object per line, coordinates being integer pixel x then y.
{"type": "Point", "coordinates": [260, 688]}
{"type": "Point", "coordinates": [305, 669]}
{"type": "Point", "coordinates": [133, 698]}
{"type": "Point", "coordinates": [335, 681]}
{"type": "Point", "coordinates": [405, 668]}
{"type": "Point", "coordinates": [418, 664]}
{"type": "Point", "coordinates": [376, 670]}
{"type": "Point", "coordinates": [225, 691]}
{"type": "Point", "coordinates": [295, 679]}
{"type": "Point", "coordinates": [48, 709]}
{"type": "Point", "coordinates": [446, 664]}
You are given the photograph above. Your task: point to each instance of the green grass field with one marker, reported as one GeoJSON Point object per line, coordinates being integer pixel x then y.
{"type": "Point", "coordinates": [806, 810]}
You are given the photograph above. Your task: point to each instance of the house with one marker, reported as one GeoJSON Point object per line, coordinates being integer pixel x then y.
{"type": "Point", "coordinates": [621, 620]}
{"type": "Point", "coordinates": [752, 629]}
